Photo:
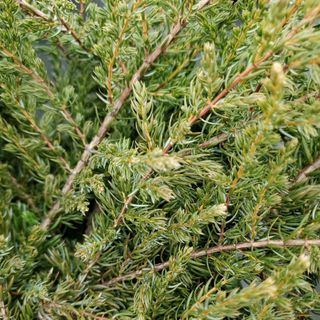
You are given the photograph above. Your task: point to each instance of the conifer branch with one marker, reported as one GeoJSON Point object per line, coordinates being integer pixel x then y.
{"type": "Point", "coordinates": [35, 76]}
{"type": "Point", "coordinates": [6, 129]}
{"type": "Point", "coordinates": [27, 6]}
{"type": "Point", "coordinates": [220, 138]}
{"type": "Point", "coordinates": [177, 70]}
{"type": "Point", "coordinates": [207, 109]}
{"type": "Point", "coordinates": [115, 52]}
{"type": "Point", "coordinates": [73, 33]}
{"type": "Point", "coordinates": [206, 144]}
{"type": "Point", "coordinates": [43, 136]}
{"type": "Point", "coordinates": [217, 249]}
{"type": "Point", "coordinates": [145, 222]}
{"type": "Point", "coordinates": [203, 113]}
{"type": "Point", "coordinates": [148, 62]}
{"type": "Point", "coordinates": [45, 85]}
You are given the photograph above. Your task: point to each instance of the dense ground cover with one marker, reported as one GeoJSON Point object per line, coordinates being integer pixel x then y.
{"type": "Point", "coordinates": [159, 159]}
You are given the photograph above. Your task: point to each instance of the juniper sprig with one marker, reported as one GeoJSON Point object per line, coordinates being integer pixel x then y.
{"type": "Point", "coordinates": [159, 159]}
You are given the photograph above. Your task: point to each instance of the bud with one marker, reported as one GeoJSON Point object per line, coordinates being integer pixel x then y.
{"type": "Point", "coordinates": [304, 261]}
{"type": "Point", "coordinates": [277, 75]}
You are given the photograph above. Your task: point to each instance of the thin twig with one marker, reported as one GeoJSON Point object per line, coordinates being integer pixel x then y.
{"type": "Point", "coordinates": [116, 51]}
{"type": "Point", "coordinates": [302, 176]}
{"type": "Point", "coordinates": [82, 9]}
{"type": "Point", "coordinates": [73, 310]}
{"type": "Point", "coordinates": [4, 313]}
{"type": "Point", "coordinates": [222, 137]}
{"type": "Point", "coordinates": [149, 60]}
{"type": "Point", "coordinates": [46, 86]}
{"type": "Point", "coordinates": [65, 25]}
{"type": "Point", "coordinates": [34, 10]}
{"type": "Point", "coordinates": [35, 76]}
{"type": "Point", "coordinates": [217, 249]}
{"type": "Point", "coordinates": [74, 34]}
{"type": "Point", "coordinates": [3, 310]}
{"type": "Point", "coordinates": [43, 136]}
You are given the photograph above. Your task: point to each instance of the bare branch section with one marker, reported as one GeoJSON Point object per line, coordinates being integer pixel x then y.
{"type": "Point", "coordinates": [218, 249]}
{"type": "Point", "coordinates": [82, 9]}
{"type": "Point", "coordinates": [34, 10]}
{"type": "Point", "coordinates": [302, 176]}
{"type": "Point", "coordinates": [222, 137]}
{"type": "Point", "coordinates": [3, 311]}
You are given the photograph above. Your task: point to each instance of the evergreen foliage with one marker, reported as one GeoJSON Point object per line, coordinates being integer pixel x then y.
{"type": "Point", "coordinates": [159, 159]}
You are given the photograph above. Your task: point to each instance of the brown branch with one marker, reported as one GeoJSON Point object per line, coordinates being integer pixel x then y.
{"type": "Point", "coordinates": [149, 60]}
{"type": "Point", "coordinates": [222, 137]}
{"type": "Point", "coordinates": [34, 10]}
{"type": "Point", "coordinates": [35, 76]}
{"type": "Point", "coordinates": [205, 111]}
{"type": "Point", "coordinates": [302, 176]}
{"type": "Point", "coordinates": [74, 34]}
{"type": "Point", "coordinates": [3, 310]}
{"type": "Point", "coordinates": [4, 313]}
{"type": "Point", "coordinates": [82, 8]}
{"type": "Point", "coordinates": [217, 249]}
